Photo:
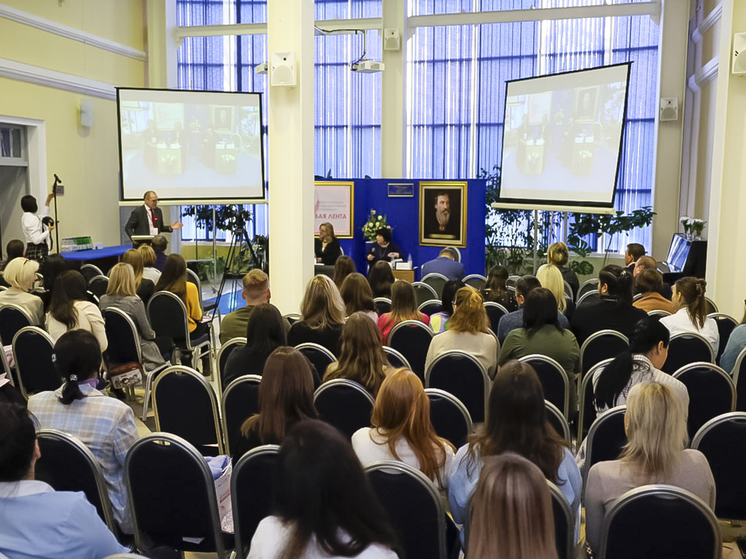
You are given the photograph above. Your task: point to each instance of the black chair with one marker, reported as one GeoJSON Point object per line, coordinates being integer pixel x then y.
{"type": "Point", "coordinates": [168, 317]}
{"type": "Point", "coordinates": [687, 348]}
{"type": "Point", "coordinates": [659, 312]}
{"type": "Point", "coordinates": [458, 373]}
{"type": "Point", "coordinates": [436, 281]}
{"type": "Point", "coordinates": [726, 324]}
{"type": "Point", "coordinates": [412, 339]}
{"type": "Point", "coordinates": [90, 271]}
{"type": "Point", "coordinates": [495, 311]}
{"type": "Point", "coordinates": [225, 352]}
{"type": "Point", "coordinates": [601, 345]}
{"type": "Point", "coordinates": [477, 281]}
{"type": "Point", "coordinates": [124, 347]}
{"type": "Point", "coordinates": [344, 404]}
{"type": "Point", "coordinates": [192, 277]}
{"type": "Point", "coordinates": [564, 523]}
{"type": "Point", "coordinates": [568, 291]}
{"type": "Point", "coordinates": [712, 308]}
{"type": "Point", "coordinates": [586, 405]}
{"type": "Point", "coordinates": [292, 317]}
{"type": "Point", "coordinates": [449, 416]}
{"type": "Point", "coordinates": [606, 438]}
{"type": "Point", "coordinates": [589, 297]}
{"type": "Point", "coordinates": [430, 307]}
{"type": "Point", "coordinates": [414, 507]}
{"type": "Point", "coordinates": [655, 521]}
{"type": "Point", "coordinates": [32, 352]}
{"type": "Point", "coordinates": [318, 355]}
{"type": "Point", "coordinates": [739, 379]}
{"type": "Point", "coordinates": [240, 401]}
{"type": "Point", "coordinates": [558, 422]}
{"type": "Point", "coordinates": [67, 464]}
{"type": "Point", "coordinates": [185, 405]}
{"type": "Point", "coordinates": [711, 393]}
{"type": "Point", "coordinates": [587, 285]}
{"type": "Point", "coordinates": [252, 492]}
{"type": "Point", "coordinates": [395, 358]}
{"type": "Point", "coordinates": [12, 319]}
{"type": "Point", "coordinates": [553, 379]}
{"type": "Point", "coordinates": [172, 497]}
{"type": "Point", "coordinates": [383, 305]}
{"type": "Point", "coordinates": [98, 285]}
{"type": "Point", "coordinates": [423, 292]}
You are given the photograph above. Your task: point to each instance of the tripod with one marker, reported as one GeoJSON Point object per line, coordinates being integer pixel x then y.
{"type": "Point", "coordinates": [239, 247]}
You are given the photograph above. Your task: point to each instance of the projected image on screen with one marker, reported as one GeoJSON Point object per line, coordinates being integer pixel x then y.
{"type": "Point", "coordinates": [190, 145]}
{"type": "Point", "coordinates": [562, 137]}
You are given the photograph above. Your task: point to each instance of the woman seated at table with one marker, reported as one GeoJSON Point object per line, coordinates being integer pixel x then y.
{"type": "Point", "coordinates": [326, 247]}
{"type": "Point", "coordinates": [384, 248]}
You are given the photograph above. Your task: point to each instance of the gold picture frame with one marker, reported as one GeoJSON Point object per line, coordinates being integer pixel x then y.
{"type": "Point", "coordinates": [334, 202]}
{"type": "Point", "coordinates": [443, 213]}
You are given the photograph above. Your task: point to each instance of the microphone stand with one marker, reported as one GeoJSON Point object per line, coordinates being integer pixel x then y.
{"type": "Point", "coordinates": [56, 214]}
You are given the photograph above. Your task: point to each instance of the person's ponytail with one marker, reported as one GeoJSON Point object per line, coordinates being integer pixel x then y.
{"type": "Point", "coordinates": [77, 357]}
{"type": "Point", "coordinates": [612, 380]}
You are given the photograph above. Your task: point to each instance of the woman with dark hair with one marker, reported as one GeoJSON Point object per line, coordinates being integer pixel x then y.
{"type": "Point", "coordinates": [343, 267]}
{"type": "Point", "coordinates": [512, 511]}
{"type": "Point", "coordinates": [648, 350]}
{"type": "Point", "coordinates": [381, 278]}
{"type": "Point", "coordinates": [361, 357]}
{"type": "Point", "coordinates": [325, 506]}
{"type": "Point", "coordinates": [35, 230]}
{"type": "Point", "coordinates": [403, 307]}
{"type": "Point", "coordinates": [326, 247]}
{"type": "Point", "coordinates": [516, 422]}
{"type": "Point", "coordinates": [496, 288]}
{"type": "Point", "coordinates": [690, 314]}
{"type": "Point", "coordinates": [736, 343]}
{"type": "Point", "coordinates": [14, 249]}
{"type": "Point", "coordinates": [174, 280]}
{"type": "Point", "coordinates": [143, 286]}
{"type": "Point", "coordinates": [265, 332]}
{"type": "Point", "coordinates": [384, 248]}
{"type": "Point", "coordinates": [70, 309]}
{"type": "Point", "coordinates": [614, 311]}
{"type": "Point", "coordinates": [38, 521]}
{"type": "Point", "coordinates": [322, 315]}
{"type": "Point", "coordinates": [358, 297]}
{"type": "Point", "coordinates": [105, 425]}
{"type": "Point", "coordinates": [439, 320]}
{"type": "Point", "coordinates": [649, 284]}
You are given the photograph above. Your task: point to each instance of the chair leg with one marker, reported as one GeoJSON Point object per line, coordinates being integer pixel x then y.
{"type": "Point", "coordinates": [146, 399]}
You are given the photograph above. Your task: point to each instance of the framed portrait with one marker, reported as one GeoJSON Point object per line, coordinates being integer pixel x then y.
{"type": "Point", "coordinates": [586, 104]}
{"type": "Point", "coordinates": [443, 213]}
{"type": "Point", "coordinates": [334, 202]}
{"type": "Point", "coordinates": [224, 119]}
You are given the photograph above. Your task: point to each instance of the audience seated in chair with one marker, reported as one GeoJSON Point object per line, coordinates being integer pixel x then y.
{"type": "Point", "coordinates": [144, 287]}
{"type": "Point", "coordinates": [468, 330]}
{"type": "Point", "coordinates": [14, 249]}
{"type": "Point", "coordinates": [514, 320]}
{"type": "Point", "coordinates": [325, 505]}
{"type": "Point", "coordinates": [255, 292]}
{"type": "Point", "coordinates": [343, 267]}
{"type": "Point", "coordinates": [381, 278]}
{"type": "Point", "coordinates": [174, 280]}
{"type": "Point", "coordinates": [20, 273]}
{"type": "Point", "coordinates": [402, 430]}
{"type": "Point", "coordinates": [550, 278]}
{"type": "Point", "coordinates": [361, 358]}
{"type": "Point", "coordinates": [285, 398]}
{"type": "Point", "coordinates": [149, 270]}
{"type": "Point", "coordinates": [357, 296]}
{"type": "Point", "coordinates": [736, 343]}
{"type": "Point", "coordinates": [36, 520]}
{"type": "Point", "coordinates": [690, 314]}
{"type": "Point", "coordinates": [403, 307]}
{"type": "Point", "coordinates": [264, 332]}
{"type": "Point", "coordinates": [512, 511]}
{"type": "Point", "coordinates": [516, 422]}
{"type": "Point", "coordinates": [649, 263]}
{"type": "Point", "coordinates": [649, 284]}
{"type": "Point", "coordinates": [70, 309]}
{"type": "Point", "coordinates": [559, 255]}
{"type": "Point", "coordinates": [322, 315]}
{"type": "Point", "coordinates": [160, 245]}
{"type": "Point", "coordinates": [634, 252]}
{"type": "Point", "coordinates": [655, 453]}
{"type": "Point", "coordinates": [439, 320]}
{"type": "Point", "coordinates": [105, 425]}
{"type": "Point", "coordinates": [121, 294]}
{"type": "Point", "coordinates": [446, 264]}
{"type": "Point", "coordinates": [496, 288]}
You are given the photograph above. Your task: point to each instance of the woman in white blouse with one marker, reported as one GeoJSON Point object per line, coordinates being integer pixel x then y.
{"type": "Point", "coordinates": [69, 309]}
{"type": "Point", "coordinates": [34, 231]}
{"type": "Point", "coordinates": [690, 312]}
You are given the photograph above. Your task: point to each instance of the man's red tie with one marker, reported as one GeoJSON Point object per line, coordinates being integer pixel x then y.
{"type": "Point", "coordinates": [155, 220]}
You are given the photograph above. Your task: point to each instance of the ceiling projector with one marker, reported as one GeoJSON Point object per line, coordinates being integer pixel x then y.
{"type": "Point", "coordinates": [368, 66]}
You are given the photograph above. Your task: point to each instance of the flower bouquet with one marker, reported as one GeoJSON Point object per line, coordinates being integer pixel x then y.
{"type": "Point", "coordinates": [374, 224]}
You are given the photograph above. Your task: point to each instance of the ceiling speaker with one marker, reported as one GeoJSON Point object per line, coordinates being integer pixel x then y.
{"type": "Point", "coordinates": [669, 108]}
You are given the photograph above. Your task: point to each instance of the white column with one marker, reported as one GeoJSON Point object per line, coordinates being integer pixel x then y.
{"type": "Point", "coordinates": [393, 86]}
{"type": "Point", "coordinates": [291, 155]}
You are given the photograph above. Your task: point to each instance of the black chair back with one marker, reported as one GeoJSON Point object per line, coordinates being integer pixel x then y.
{"type": "Point", "coordinates": [739, 379]}
{"type": "Point", "coordinates": [412, 339]}
{"type": "Point", "coordinates": [185, 405]}
{"type": "Point", "coordinates": [240, 402]}
{"type": "Point", "coordinates": [168, 317]}
{"type": "Point", "coordinates": [252, 493]}
{"type": "Point", "coordinates": [32, 353]}
{"type": "Point", "coordinates": [90, 271]}
{"type": "Point", "coordinates": [711, 393]}
{"type": "Point", "coordinates": [449, 416]}
{"type": "Point", "coordinates": [476, 281]}
{"type": "Point", "coordinates": [460, 374]}
{"type": "Point", "coordinates": [655, 521]}
{"type": "Point", "coordinates": [318, 355]}
{"type": "Point", "coordinates": [723, 442]}
{"type": "Point", "coordinates": [172, 496]}
{"type": "Point", "coordinates": [344, 404]}
{"type": "Point", "coordinates": [601, 345]}
{"type": "Point", "coordinates": [553, 379]}
{"type": "Point", "coordinates": [414, 507]}
{"type": "Point", "coordinates": [558, 422]}
{"type": "Point", "coordinates": [430, 307]}
{"type": "Point", "coordinates": [564, 523]}
{"type": "Point", "coordinates": [606, 437]}
{"type": "Point", "coordinates": [726, 324]}
{"type": "Point", "coordinates": [586, 403]}
{"type": "Point", "coordinates": [495, 311]}
{"type": "Point", "coordinates": [588, 285]}
{"type": "Point", "coordinates": [436, 281]}
{"type": "Point", "coordinates": [383, 305]}
{"type": "Point", "coordinates": [12, 319]}
{"type": "Point", "coordinates": [423, 292]}
{"type": "Point", "coordinates": [98, 285]}
{"type": "Point", "coordinates": [225, 352]}
{"type": "Point", "coordinates": [589, 297]}
{"type": "Point", "coordinates": [684, 349]}
{"type": "Point", "coordinates": [395, 358]}
{"type": "Point", "coordinates": [124, 341]}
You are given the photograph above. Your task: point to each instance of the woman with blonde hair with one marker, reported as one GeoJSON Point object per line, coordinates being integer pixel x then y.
{"type": "Point", "coordinates": [468, 330]}
{"type": "Point", "coordinates": [20, 273]}
{"type": "Point", "coordinates": [322, 315]}
{"type": "Point", "coordinates": [361, 357]}
{"type": "Point", "coordinates": [149, 270]}
{"type": "Point", "coordinates": [512, 511]}
{"type": "Point", "coordinates": [402, 430]}
{"type": "Point", "coordinates": [121, 294]}
{"type": "Point", "coordinates": [559, 255]}
{"type": "Point", "coordinates": [144, 287]}
{"type": "Point", "coordinates": [655, 453]}
{"type": "Point", "coordinates": [358, 297]}
{"type": "Point", "coordinates": [550, 277]}
{"type": "Point", "coordinates": [403, 307]}
{"type": "Point", "coordinates": [690, 312]}
{"type": "Point", "coordinates": [326, 247]}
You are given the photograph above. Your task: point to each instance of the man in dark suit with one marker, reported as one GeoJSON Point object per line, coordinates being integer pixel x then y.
{"type": "Point", "coordinates": [447, 264]}
{"type": "Point", "coordinates": [148, 218]}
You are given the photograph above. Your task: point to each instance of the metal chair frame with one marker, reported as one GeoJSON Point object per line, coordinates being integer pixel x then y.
{"type": "Point", "coordinates": [92, 267]}
{"type": "Point", "coordinates": [390, 351]}
{"type": "Point", "coordinates": [406, 324]}
{"type": "Point", "coordinates": [553, 363]}
{"type": "Point", "coordinates": [418, 285]}
{"type": "Point", "coordinates": [715, 369]}
{"type": "Point", "coordinates": [586, 295]}
{"type": "Point", "coordinates": [384, 300]}
{"type": "Point", "coordinates": [40, 332]}
{"type": "Point", "coordinates": [593, 337]}
{"type": "Point", "coordinates": [434, 276]}
{"type": "Point", "coordinates": [239, 341]}
{"type": "Point", "coordinates": [320, 349]}
{"type": "Point", "coordinates": [430, 302]}
{"type": "Point", "coordinates": [22, 311]}
{"type": "Point", "coordinates": [253, 379]}
{"type": "Point", "coordinates": [568, 291]}
{"type": "Point", "coordinates": [456, 402]}
{"type": "Point", "coordinates": [587, 379]}
{"type": "Point", "coordinates": [561, 500]}
{"type": "Point", "coordinates": [659, 312]}
{"type": "Point", "coordinates": [462, 354]}
{"type": "Point", "coordinates": [606, 416]}
{"type": "Point", "coordinates": [692, 335]}
{"type": "Point", "coordinates": [477, 281]}
{"type": "Point", "coordinates": [555, 412]}
{"type": "Point", "coordinates": [736, 372]}
{"type": "Point", "coordinates": [101, 278]}
{"type": "Point", "coordinates": [195, 349]}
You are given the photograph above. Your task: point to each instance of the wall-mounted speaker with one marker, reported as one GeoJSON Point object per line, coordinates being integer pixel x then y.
{"type": "Point", "coordinates": [282, 69]}
{"type": "Point", "coordinates": [391, 39]}
{"type": "Point", "coordinates": [739, 54]}
{"type": "Point", "coordinates": [669, 109]}
{"type": "Point", "coordinates": [86, 113]}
